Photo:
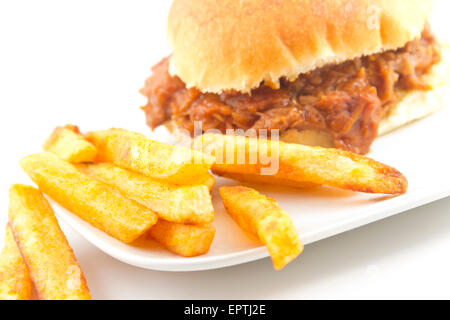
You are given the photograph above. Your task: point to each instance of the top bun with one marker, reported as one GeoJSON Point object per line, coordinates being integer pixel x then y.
{"type": "Point", "coordinates": [237, 44]}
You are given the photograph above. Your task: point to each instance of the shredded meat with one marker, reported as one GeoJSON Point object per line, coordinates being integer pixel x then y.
{"type": "Point", "coordinates": [347, 100]}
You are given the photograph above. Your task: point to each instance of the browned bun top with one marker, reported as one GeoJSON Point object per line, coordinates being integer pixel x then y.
{"type": "Point", "coordinates": [237, 44]}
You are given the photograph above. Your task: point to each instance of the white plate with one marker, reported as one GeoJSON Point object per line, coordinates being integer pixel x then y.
{"type": "Point", "coordinates": [420, 151]}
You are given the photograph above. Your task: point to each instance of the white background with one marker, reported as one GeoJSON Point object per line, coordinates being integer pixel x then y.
{"type": "Point", "coordinates": [83, 62]}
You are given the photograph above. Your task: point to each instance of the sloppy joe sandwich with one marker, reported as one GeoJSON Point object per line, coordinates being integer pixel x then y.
{"type": "Point", "coordinates": [322, 72]}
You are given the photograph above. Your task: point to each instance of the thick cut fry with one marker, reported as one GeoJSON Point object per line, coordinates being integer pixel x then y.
{"type": "Point", "coordinates": [155, 159]}
{"type": "Point", "coordinates": [93, 201]}
{"type": "Point", "coordinates": [182, 204]}
{"type": "Point", "coordinates": [322, 166]}
{"type": "Point", "coordinates": [261, 217]}
{"type": "Point", "coordinates": [206, 179]}
{"type": "Point", "coordinates": [70, 145]}
{"type": "Point", "coordinates": [15, 281]}
{"type": "Point", "coordinates": [182, 239]}
{"type": "Point", "coordinates": [53, 267]}
{"type": "Point", "coordinates": [266, 180]}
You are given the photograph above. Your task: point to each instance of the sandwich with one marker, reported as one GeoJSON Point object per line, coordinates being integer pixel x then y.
{"type": "Point", "coordinates": [320, 72]}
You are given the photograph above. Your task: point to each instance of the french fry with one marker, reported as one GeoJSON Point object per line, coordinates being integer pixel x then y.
{"type": "Point", "coordinates": [206, 179]}
{"type": "Point", "coordinates": [15, 281]}
{"type": "Point", "coordinates": [266, 180]}
{"type": "Point", "coordinates": [155, 159]}
{"type": "Point", "coordinates": [182, 239]}
{"type": "Point", "coordinates": [53, 267]}
{"type": "Point", "coordinates": [181, 204]}
{"type": "Point", "coordinates": [70, 145]}
{"type": "Point", "coordinates": [93, 201]}
{"type": "Point", "coordinates": [322, 166]}
{"type": "Point", "coordinates": [261, 217]}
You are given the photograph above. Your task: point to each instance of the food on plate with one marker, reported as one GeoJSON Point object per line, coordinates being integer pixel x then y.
{"type": "Point", "coordinates": [155, 159]}
{"type": "Point", "coordinates": [182, 204]}
{"type": "Point", "coordinates": [295, 162]}
{"type": "Point", "coordinates": [266, 180]}
{"type": "Point", "coordinates": [91, 200]}
{"type": "Point", "coordinates": [70, 145]}
{"type": "Point", "coordinates": [206, 179]}
{"type": "Point", "coordinates": [53, 267]}
{"type": "Point", "coordinates": [183, 239]}
{"type": "Point", "coordinates": [15, 281]}
{"type": "Point", "coordinates": [261, 217]}
{"type": "Point", "coordinates": [327, 73]}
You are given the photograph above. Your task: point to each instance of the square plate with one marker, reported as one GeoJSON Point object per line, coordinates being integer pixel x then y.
{"type": "Point", "coordinates": [418, 150]}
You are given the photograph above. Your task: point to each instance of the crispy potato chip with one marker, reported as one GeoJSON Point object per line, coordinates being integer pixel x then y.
{"type": "Point", "coordinates": [15, 281]}
{"type": "Point", "coordinates": [155, 159]}
{"type": "Point", "coordinates": [295, 162]}
{"type": "Point", "coordinates": [182, 239]}
{"type": "Point", "coordinates": [261, 217]}
{"type": "Point", "coordinates": [93, 201]}
{"type": "Point", "coordinates": [53, 267]}
{"type": "Point", "coordinates": [70, 145]}
{"type": "Point", "coordinates": [182, 204]}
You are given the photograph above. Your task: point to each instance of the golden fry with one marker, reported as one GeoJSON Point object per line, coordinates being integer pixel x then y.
{"type": "Point", "coordinates": [182, 239]}
{"type": "Point", "coordinates": [53, 267]}
{"type": "Point", "coordinates": [182, 204]}
{"type": "Point", "coordinates": [155, 159]}
{"type": "Point", "coordinates": [322, 166]}
{"type": "Point", "coordinates": [93, 201]}
{"type": "Point", "coordinates": [15, 281]}
{"type": "Point", "coordinates": [70, 145]}
{"type": "Point", "coordinates": [261, 217]}
{"type": "Point", "coordinates": [206, 179]}
{"type": "Point", "coordinates": [266, 180]}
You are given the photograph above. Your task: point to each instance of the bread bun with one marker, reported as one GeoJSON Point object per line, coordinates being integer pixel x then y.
{"type": "Point", "coordinates": [237, 44]}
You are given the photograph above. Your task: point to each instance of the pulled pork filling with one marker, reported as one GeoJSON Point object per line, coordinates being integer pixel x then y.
{"type": "Point", "coordinates": [347, 100]}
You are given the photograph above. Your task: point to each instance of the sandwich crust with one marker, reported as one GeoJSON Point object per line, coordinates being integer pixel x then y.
{"type": "Point", "coordinates": [237, 45]}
